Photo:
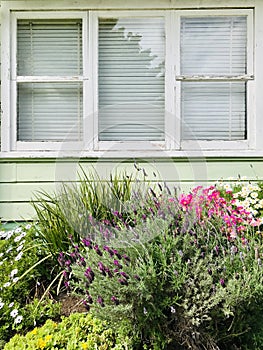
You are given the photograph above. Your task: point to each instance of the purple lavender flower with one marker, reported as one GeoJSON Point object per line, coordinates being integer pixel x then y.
{"type": "Point", "coordinates": [61, 259]}
{"type": "Point", "coordinates": [108, 271]}
{"type": "Point", "coordinates": [115, 300]}
{"type": "Point", "coordinates": [102, 268]}
{"type": "Point", "coordinates": [97, 250]}
{"type": "Point", "coordinates": [82, 262]}
{"type": "Point", "coordinates": [125, 257]}
{"type": "Point", "coordinates": [89, 299]}
{"type": "Point", "coordinates": [137, 277]}
{"type": "Point", "coordinates": [65, 275]}
{"type": "Point", "coordinates": [115, 251]}
{"type": "Point", "coordinates": [87, 307]}
{"type": "Point", "coordinates": [124, 274]}
{"type": "Point", "coordinates": [109, 250]}
{"type": "Point", "coordinates": [123, 281]}
{"type": "Point", "coordinates": [222, 282]}
{"type": "Point", "coordinates": [100, 301]}
{"type": "Point", "coordinates": [66, 284]}
{"type": "Point", "coordinates": [87, 243]}
{"type": "Point", "coordinates": [89, 274]}
{"type": "Point", "coordinates": [117, 263]}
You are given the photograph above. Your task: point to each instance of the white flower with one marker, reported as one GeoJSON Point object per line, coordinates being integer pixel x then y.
{"type": "Point", "coordinates": [19, 247]}
{"type": "Point", "coordinates": [14, 313]}
{"type": "Point", "coordinates": [18, 238]}
{"type": "Point", "coordinates": [254, 195]}
{"type": "Point", "coordinates": [11, 305]}
{"type": "Point", "coordinates": [7, 284]}
{"type": "Point", "coordinates": [3, 234]}
{"type": "Point", "coordinates": [9, 250]}
{"type": "Point", "coordinates": [9, 234]}
{"type": "Point", "coordinates": [18, 229]}
{"type": "Point", "coordinates": [1, 254]}
{"type": "Point", "coordinates": [1, 305]}
{"type": "Point", "coordinates": [28, 227]}
{"type": "Point", "coordinates": [18, 319]}
{"type": "Point", "coordinates": [15, 279]}
{"type": "Point", "coordinates": [13, 272]}
{"type": "Point", "coordinates": [173, 310]}
{"type": "Point", "coordinates": [227, 187]}
{"type": "Point", "coordinates": [19, 256]}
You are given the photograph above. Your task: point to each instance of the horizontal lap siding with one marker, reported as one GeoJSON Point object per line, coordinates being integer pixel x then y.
{"type": "Point", "coordinates": [21, 180]}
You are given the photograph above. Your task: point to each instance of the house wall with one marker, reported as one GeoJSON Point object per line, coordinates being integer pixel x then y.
{"type": "Point", "coordinates": [21, 178]}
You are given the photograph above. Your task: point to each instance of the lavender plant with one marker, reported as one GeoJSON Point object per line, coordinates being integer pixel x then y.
{"type": "Point", "coordinates": [183, 273]}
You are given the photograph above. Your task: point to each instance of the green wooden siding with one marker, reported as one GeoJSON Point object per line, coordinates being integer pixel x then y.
{"type": "Point", "coordinates": [21, 179]}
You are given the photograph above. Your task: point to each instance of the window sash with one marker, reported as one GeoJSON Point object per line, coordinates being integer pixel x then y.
{"type": "Point", "coordinates": [172, 133]}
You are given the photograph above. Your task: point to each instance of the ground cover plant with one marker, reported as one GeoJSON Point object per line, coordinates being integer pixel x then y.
{"type": "Point", "coordinates": [165, 271]}
{"type": "Point", "coordinates": [22, 280]}
{"type": "Point", "coordinates": [78, 331]}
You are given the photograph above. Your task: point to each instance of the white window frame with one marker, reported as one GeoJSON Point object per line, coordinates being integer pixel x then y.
{"type": "Point", "coordinates": [249, 143]}
{"type": "Point", "coordinates": [91, 145]}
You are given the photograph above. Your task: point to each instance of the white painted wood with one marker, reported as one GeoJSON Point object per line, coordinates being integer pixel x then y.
{"type": "Point", "coordinates": [127, 5]}
{"type": "Point", "coordinates": [92, 147]}
{"type": "Point", "coordinates": [5, 83]}
{"type": "Point", "coordinates": [214, 77]}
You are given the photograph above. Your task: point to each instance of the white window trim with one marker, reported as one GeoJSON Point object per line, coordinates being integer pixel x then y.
{"type": "Point", "coordinates": [249, 143]}
{"type": "Point", "coordinates": [45, 145]}
{"type": "Point", "coordinates": [90, 146]}
{"type": "Point", "coordinates": [124, 145]}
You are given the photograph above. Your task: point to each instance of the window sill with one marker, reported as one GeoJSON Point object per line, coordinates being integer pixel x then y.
{"type": "Point", "coordinates": [116, 154]}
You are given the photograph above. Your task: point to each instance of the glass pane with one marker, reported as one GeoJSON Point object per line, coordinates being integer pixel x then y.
{"type": "Point", "coordinates": [131, 79]}
{"type": "Point", "coordinates": [213, 111]}
{"type": "Point", "coordinates": [49, 47]}
{"type": "Point", "coordinates": [49, 111]}
{"type": "Point", "coordinates": [214, 45]}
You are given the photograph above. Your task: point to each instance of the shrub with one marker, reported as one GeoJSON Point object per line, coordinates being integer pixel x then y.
{"type": "Point", "coordinates": [72, 212]}
{"type": "Point", "coordinates": [21, 280]}
{"type": "Point", "coordinates": [184, 276]}
{"type": "Point", "coordinates": [78, 331]}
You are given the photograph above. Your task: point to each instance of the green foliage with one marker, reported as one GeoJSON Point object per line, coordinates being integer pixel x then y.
{"type": "Point", "coordinates": [71, 213]}
{"type": "Point", "coordinates": [184, 279]}
{"type": "Point", "coordinates": [21, 280]}
{"type": "Point", "coordinates": [76, 332]}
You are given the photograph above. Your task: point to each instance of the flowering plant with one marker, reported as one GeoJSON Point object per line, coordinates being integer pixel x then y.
{"type": "Point", "coordinates": [183, 275]}
{"type": "Point", "coordinates": [19, 280]}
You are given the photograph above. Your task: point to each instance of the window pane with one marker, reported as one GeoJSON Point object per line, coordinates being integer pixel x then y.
{"type": "Point", "coordinates": [49, 111]}
{"type": "Point", "coordinates": [131, 79]}
{"type": "Point", "coordinates": [213, 45]}
{"type": "Point", "coordinates": [46, 47]}
{"type": "Point", "coordinates": [213, 111]}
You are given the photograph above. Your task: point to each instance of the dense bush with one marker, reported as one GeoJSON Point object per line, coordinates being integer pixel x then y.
{"type": "Point", "coordinates": [173, 272]}
{"type": "Point", "coordinates": [22, 280]}
{"type": "Point", "coordinates": [78, 331]}
{"type": "Point", "coordinates": [186, 275]}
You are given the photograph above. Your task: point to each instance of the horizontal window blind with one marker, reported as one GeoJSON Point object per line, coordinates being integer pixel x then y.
{"type": "Point", "coordinates": [49, 111]}
{"type": "Point", "coordinates": [49, 47]}
{"type": "Point", "coordinates": [214, 46]}
{"type": "Point", "coordinates": [131, 79]}
{"type": "Point", "coordinates": [213, 110]}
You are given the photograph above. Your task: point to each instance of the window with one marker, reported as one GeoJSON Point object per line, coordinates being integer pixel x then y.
{"type": "Point", "coordinates": [135, 80]}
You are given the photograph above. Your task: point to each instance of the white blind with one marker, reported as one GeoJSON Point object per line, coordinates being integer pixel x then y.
{"type": "Point", "coordinates": [131, 79]}
{"type": "Point", "coordinates": [49, 111]}
{"type": "Point", "coordinates": [214, 46]}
